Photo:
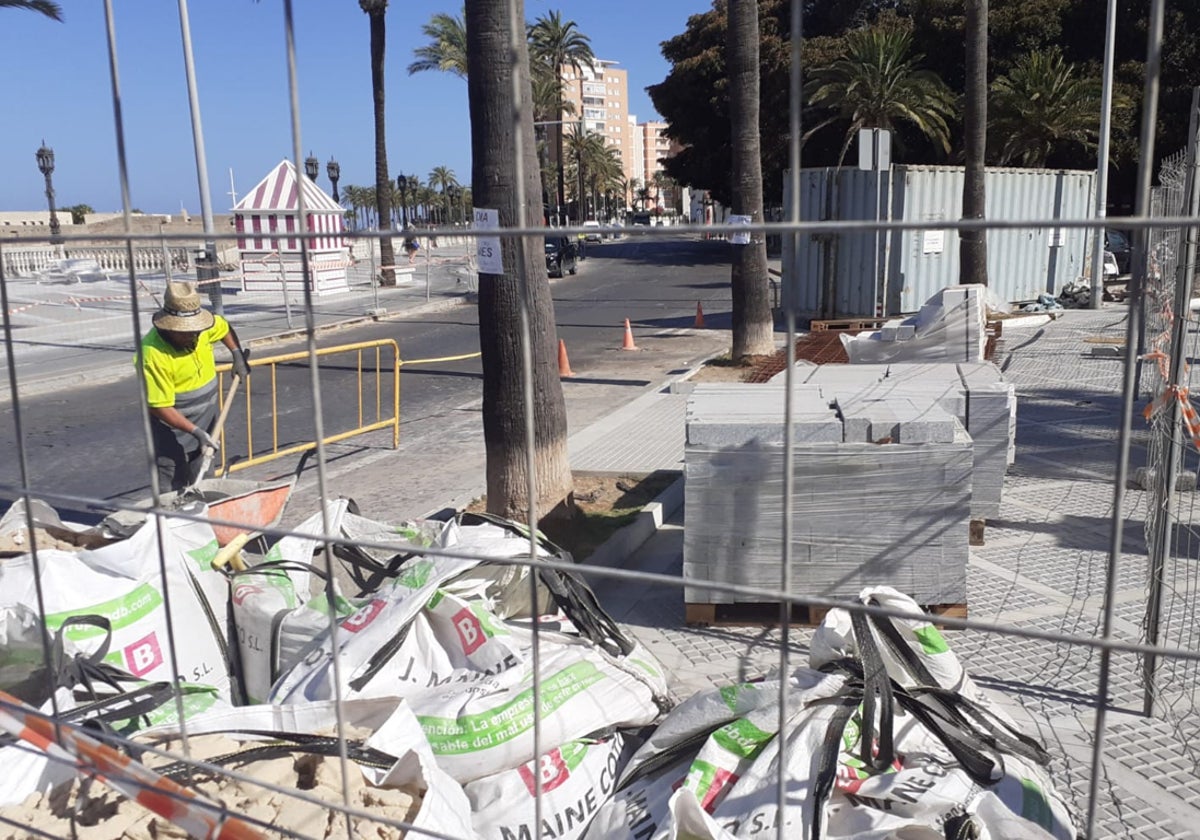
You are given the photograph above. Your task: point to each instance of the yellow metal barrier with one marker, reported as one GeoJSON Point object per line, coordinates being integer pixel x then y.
{"type": "Point", "coordinates": [273, 363]}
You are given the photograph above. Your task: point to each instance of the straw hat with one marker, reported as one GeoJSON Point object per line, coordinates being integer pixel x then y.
{"type": "Point", "coordinates": [181, 310]}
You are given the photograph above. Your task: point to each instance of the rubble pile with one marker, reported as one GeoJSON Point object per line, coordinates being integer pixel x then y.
{"type": "Point", "coordinates": [455, 663]}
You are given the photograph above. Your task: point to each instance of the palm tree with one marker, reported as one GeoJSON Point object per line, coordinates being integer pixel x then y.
{"type": "Point", "coordinates": [753, 325]}
{"type": "Point", "coordinates": [493, 167]}
{"type": "Point", "coordinates": [876, 84]}
{"type": "Point", "coordinates": [441, 178]}
{"type": "Point", "coordinates": [972, 244]}
{"type": "Point", "coordinates": [47, 8]}
{"type": "Point", "coordinates": [447, 47]}
{"type": "Point", "coordinates": [556, 45]}
{"type": "Point", "coordinates": [641, 197]}
{"type": "Point", "coordinates": [376, 9]}
{"type": "Point", "coordinates": [631, 188]}
{"type": "Point", "coordinates": [1042, 107]}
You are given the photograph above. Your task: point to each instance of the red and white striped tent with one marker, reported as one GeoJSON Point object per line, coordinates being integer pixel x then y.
{"type": "Point", "coordinates": [267, 221]}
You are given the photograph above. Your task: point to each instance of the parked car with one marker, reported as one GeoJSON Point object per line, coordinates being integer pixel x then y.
{"type": "Point", "coordinates": [1117, 242]}
{"type": "Point", "coordinates": [561, 256]}
{"type": "Point", "coordinates": [592, 235]}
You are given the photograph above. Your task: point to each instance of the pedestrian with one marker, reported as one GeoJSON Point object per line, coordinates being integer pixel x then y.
{"type": "Point", "coordinates": [181, 381]}
{"type": "Point", "coordinates": [411, 246]}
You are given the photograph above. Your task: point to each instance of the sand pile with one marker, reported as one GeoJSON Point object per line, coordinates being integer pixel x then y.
{"type": "Point", "coordinates": [98, 813]}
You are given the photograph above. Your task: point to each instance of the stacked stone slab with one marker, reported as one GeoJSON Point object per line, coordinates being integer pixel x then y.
{"type": "Point", "coordinates": [973, 392]}
{"type": "Point", "coordinates": [863, 512]}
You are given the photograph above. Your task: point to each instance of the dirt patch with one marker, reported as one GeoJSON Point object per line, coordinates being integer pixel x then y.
{"type": "Point", "coordinates": [604, 505]}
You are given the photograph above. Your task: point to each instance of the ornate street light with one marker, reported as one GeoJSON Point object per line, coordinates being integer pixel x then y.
{"type": "Point", "coordinates": [454, 192]}
{"type": "Point", "coordinates": [402, 185]}
{"type": "Point", "coordinates": [334, 171]}
{"type": "Point", "coordinates": [312, 167]}
{"type": "Point", "coordinates": [45, 161]}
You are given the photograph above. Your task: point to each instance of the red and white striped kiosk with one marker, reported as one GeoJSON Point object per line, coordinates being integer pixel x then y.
{"type": "Point", "coordinates": [267, 221]}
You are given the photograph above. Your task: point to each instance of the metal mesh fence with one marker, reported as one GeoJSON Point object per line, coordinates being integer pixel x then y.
{"type": "Point", "coordinates": [1059, 631]}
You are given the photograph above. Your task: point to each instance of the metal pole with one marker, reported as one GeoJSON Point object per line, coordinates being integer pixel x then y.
{"type": "Point", "coordinates": [374, 281]}
{"type": "Point", "coordinates": [207, 273]}
{"type": "Point", "coordinates": [427, 250]}
{"type": "Point", "coordinates": [166, 255]}
{"type": "Point", "coordinates": [1174, 448]}
{"type": "Point", "coordinates": [1133, 338]}
{"type": "Point", "coordinates": [287, 301]}
{"type": "Point", "coordinates": [1110, 38]}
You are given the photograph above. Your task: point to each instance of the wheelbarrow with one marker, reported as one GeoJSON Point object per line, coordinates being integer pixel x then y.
{"type": "Point", "coordinates": [253, 505]}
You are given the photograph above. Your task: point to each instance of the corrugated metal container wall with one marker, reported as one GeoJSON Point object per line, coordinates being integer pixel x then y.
{"type": "Point", "coordinates": [835, 275]}
{"type": "Point", "coordinates": [1021, 263]}
{"type": "Point", "coordinates": [825, 263]}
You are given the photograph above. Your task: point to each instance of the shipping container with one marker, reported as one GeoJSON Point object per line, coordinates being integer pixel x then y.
{"type": "Point", "coordinates": [864, 273]}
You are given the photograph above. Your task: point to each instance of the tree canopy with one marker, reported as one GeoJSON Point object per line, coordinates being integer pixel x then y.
{"type": "Point", "coordinates": [694, 97]}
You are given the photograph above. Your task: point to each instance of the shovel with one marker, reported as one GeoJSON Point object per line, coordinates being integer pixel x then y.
{"type": "Point", "coordinates": [206, 457]}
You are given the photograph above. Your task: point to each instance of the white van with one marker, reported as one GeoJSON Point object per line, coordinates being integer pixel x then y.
{"type": "Point", "coordinates": [592, 235]}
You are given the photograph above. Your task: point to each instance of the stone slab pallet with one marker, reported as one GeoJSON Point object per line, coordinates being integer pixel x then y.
{"type": "Point", "coordinates": [768, 613]}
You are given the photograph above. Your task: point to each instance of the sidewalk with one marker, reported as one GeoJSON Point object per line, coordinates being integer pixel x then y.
{"type": "Point", "coordinates": [1042, 566]}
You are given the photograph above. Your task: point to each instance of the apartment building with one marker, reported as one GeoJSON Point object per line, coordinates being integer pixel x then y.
{"type": "Point", "coordinates": [600, 94]}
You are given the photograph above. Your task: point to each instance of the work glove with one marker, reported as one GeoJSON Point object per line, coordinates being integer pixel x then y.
{"type": "Point", "coordinates": [241, 367]}
{"type": "Point", "coordinates": [204, 437]}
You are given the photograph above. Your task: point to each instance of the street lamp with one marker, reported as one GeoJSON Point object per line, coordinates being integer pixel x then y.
{"type": "Point", "coordinates": [45, 160]}
{"type": "Point", "coordinates": [334, 171]}
{"type": "Point", "coordinates": [402, 185]}
{"type": "Point", "coordinates": [454, 192]}
{"type": "Point", "coordinates": [312, 167]}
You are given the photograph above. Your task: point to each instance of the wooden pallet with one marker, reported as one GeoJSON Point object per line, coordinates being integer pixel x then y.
{"type": "Point", "coordinates": [847, 324]}
{"type": "Point", "coordinates": [767, 613]}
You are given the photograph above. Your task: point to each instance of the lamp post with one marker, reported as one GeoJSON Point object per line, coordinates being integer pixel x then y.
{"type": "Point", "coordinates": [335, 172]}
{"type": "Point", "coordinates": [312, 167]}
{"type": "Point", "coordinates": [402, 185]}
{"type": "Point", "coordinates": [45, 161]}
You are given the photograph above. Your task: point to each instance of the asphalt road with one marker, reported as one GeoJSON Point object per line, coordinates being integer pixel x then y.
{"type": "Point", "coordinates": [88, 441]}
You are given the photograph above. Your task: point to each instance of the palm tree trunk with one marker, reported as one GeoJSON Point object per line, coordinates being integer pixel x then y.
{"type": "Point", "coordinates": [490, 97]}
{"type": "Point", "coordinates": [382, 179]}
{"type": "Point", "coordinates": [972, 248]}
{"type": "Point", "coordinates": [753, 326]}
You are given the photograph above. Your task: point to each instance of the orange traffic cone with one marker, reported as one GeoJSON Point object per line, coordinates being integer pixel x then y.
{"type": "Point", "coordinates": [699, 325]}
{"type": "Point", "coordinates": [564, 364]}
{"type": "Point", "coordinates": [628, 344]}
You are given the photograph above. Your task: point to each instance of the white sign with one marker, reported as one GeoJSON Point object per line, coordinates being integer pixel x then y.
{"type": "Point", "coordinates": [874, 148]}
{"type": "Point", "coordinates": [740, 238]}
{"type": "Point", "coordinates": [933, 241]}
{"type": "Point", "coordinates": [487, 248]}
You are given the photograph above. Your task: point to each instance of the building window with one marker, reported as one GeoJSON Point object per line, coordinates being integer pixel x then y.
{"type": "Point", "coordinates": [591, 87]}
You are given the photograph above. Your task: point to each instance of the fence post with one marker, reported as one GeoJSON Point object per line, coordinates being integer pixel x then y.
{"type": "Point", "coordinates": [1173, 449]}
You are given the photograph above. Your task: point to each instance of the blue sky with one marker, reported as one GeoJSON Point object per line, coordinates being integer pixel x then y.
{"type": "Point", "coordinates": [58, 89]}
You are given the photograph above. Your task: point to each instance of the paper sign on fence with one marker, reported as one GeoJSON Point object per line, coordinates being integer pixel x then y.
{"type": "Point", "coordinates": [740, 238]}
{"type": "Point", "coordinates": [487, 248]}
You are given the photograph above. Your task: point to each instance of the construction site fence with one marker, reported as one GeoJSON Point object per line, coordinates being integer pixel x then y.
{"type": "Point", "coordinates": [1162, 341]}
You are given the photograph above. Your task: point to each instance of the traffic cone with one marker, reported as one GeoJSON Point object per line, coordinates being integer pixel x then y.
{"type": "Point", "coordinates": [628, 344]}
{"type": "Point", "coordinates": [564, 364]}
{"type": "Point", "coordinates": [699, 325]}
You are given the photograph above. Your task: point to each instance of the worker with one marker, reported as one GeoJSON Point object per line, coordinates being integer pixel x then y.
{"type": "Point", "coordinates": [181, 382]}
